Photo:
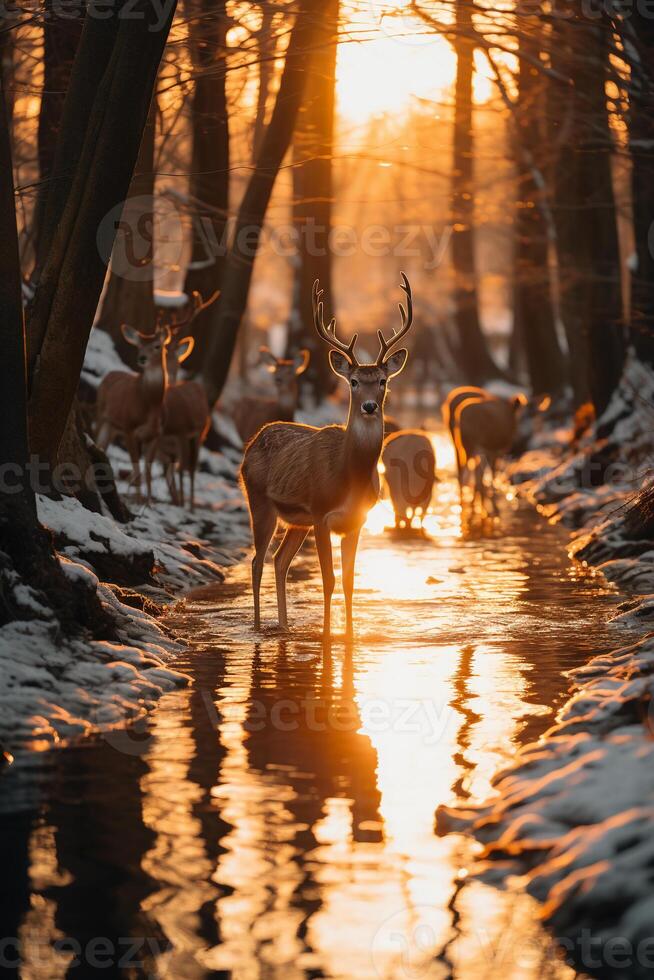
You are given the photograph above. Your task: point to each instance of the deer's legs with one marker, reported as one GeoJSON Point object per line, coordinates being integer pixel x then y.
{"type": "Point", "coordinates": [349, 546]}
{"type": "Point", "coordinates": [264, 522]}
{"type": "Point", "coordinates": [324, 546]}
{"type": "Point", "coordinates": [194, 453]}
{"type": "Point", "coordinates": [284, 555]}
{"type": "Point", "coordinates": [135, 456]}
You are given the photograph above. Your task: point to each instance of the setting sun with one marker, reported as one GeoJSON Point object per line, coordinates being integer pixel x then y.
{"type": "Point", "coordinates": [386, 60]}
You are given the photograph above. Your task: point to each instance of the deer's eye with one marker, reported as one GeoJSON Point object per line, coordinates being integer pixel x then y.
{"type": "Point", "coordinates": [382, 383]}
{"type": "Point", "coordinates": [354, 383]}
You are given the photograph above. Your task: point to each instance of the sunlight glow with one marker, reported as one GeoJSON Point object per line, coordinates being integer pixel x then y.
{"type": "Point", "coordinates": [387, 59]}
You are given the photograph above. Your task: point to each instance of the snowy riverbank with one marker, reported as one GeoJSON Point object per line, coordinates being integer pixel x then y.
{"type": "Point", "coordinates": [573, 816]}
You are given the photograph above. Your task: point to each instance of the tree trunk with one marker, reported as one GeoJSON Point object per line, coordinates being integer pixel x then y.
{"type": "Point", "coordinates": [25, 546]}
{"type": "Point", "coordinates": [226, 319]}
{"type": "Point", "coordinates": [535, 317]}
{"type": "Point", "coordinates": [209, 180]}
{"type": "Point", "coordinates": [596, 214]}
{"type": "Point", "coordinates": [313, 147]}
{"type": "Point", "coordinates": [74, 271]}
{"type": "Point", "coordinates": [639, 31]}
{"type": "Point", "coordinates": [563, 111]}
{"type": "Point", "coordinates": [129, 296]}
{"type": "Point", "coordinates": [473, 354]}
{"type": "Point", "coordinates": [61, 36]}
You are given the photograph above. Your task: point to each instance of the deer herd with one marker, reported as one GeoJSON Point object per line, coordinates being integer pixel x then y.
{"type": "Point", "coordinates": [298, 477]}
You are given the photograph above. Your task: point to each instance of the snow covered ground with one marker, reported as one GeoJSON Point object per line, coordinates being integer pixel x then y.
{"type": "Point", "coordinates": [53, 688]}
{"type": "Point", "coordinates": [572, 820]}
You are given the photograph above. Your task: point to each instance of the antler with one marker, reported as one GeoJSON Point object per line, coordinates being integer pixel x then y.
{"type": "Point", "coordinates": [407, 319]}
{"type": "Point", "coordinates": [328, 333]}
{"type": "Point", "coordinates": [197, 306]}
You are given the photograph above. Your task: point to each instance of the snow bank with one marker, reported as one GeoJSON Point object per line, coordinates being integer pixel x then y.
{"type": "Point", "coordinates": [53, 688]}
{"type": "Point", "coordinates": [573, 816]}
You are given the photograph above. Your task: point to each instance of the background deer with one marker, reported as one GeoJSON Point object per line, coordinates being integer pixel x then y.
{"type": "Point", "coordinates": [449, 407]}
{"type": "Point", "coordinates": [130, 405]}
{"type": "Point", "coordinates": [185, 423]}
{"type": "Point", "coordinates": [251, 414]}
{"type": "Point", "coordinates": [326, 478]}
{"type": "Point", "coordinates": [409, 471]}
{"type": "Point", "coordinates": [484, 431]}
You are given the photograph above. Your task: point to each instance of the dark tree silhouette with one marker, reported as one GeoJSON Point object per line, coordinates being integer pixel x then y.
{"type": "Point", "coordinates": [226, 318]}
{"type": "Point", "coordinates": [313, 147]}
{"type": "Point", "coordinates": [209, 178]}
{"type": "Point", "coordinates": [89, 189]}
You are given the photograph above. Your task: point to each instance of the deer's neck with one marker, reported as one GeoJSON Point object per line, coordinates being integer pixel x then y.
{"type": "Point", "coordinates": [153, 384]}
{"type": "Point", "coordinates": [363, 442]}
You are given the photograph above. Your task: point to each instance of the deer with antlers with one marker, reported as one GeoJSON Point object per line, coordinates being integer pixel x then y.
{"type": "Point", "coordinates": [323, 478]}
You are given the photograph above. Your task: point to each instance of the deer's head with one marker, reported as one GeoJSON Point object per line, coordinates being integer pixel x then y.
{"type": "Point", "coordinates": [368, 383]}
{"type": "Point", "coordinates": [285, 372]}
{"type": "Point", "coordinates": [151, 347]}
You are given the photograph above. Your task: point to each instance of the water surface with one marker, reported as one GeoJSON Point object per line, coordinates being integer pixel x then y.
{"type": "Point", "coordinates": [276, 818]}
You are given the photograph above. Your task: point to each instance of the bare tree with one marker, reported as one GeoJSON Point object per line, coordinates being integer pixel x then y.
{"type": "Point", "coordinates": [106, 132]}
{"type": "Point", "coordinates": [226, 317]}
{"type": "Point", "coordinates": [209, 179]}
{"type": "Point", "coordinates": [313, 147]}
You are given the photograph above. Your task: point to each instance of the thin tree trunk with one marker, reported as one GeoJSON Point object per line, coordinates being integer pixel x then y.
{"type": "Point", "coordinates": [563, 111]}
{"type": "Point", "coordinates": [639, 30]}
{"type": "Point", "coordinates": [225, 321]}
{"type": "Point", "coordinates": [209, 181]}
{"type": "Point", "coordinates": [313, 146]}
{"type": "Point", "coordinates": [473, 354]}
{"type": "Point", "coordinates": [596, 214]}
{"type": "Point", "coordinates": [73, 275]}
{"type": "Point", "coordinates": [61, 35]}
{"type": "Point", "coordinates": [129, 296]}
{"type": "Point", "coordinates": [535, 317]}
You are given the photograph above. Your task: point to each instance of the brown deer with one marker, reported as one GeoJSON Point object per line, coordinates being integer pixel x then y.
{"type": "Point", "coordinates": [483, 432]}
{"type": "Point", "coordinates": [130, 405]}
{"type": "Point", "coordinates": [326, 478]}
{"type": "Point", "coordinates": [409, 471]}
{"type": "Point", "coordinates": [251, 414]}
{"type": "Point", "coordinates": [185, 423]}
{"type": "Point", "coordinates": [448, 409]}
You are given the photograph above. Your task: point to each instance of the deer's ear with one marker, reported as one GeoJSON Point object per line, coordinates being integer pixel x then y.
{"type": "Point", "coordinates": [185, 348]}
{"type": "Point", "coordinates": [129, 334]}
{"type": "Point", "coordinates": [396, 362]}
{"type": "Point", "coordinates": [340, 364]}
{"type": "Point", "coordinates": [301, 361]}
{"type": "Point", "coordinates": [267, 357]}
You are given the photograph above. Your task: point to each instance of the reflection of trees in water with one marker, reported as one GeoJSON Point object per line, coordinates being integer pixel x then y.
{"type": "Point", "coordinates": [100, 840]}
{"type": "Point", "coordinates": [463, 694]}
{"type": "Point", "coordinates": [15, 832]}
{"type": "Point", "coordinates": [204, 772]}
{"type": "Point", "coordinates": [322, 753]}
